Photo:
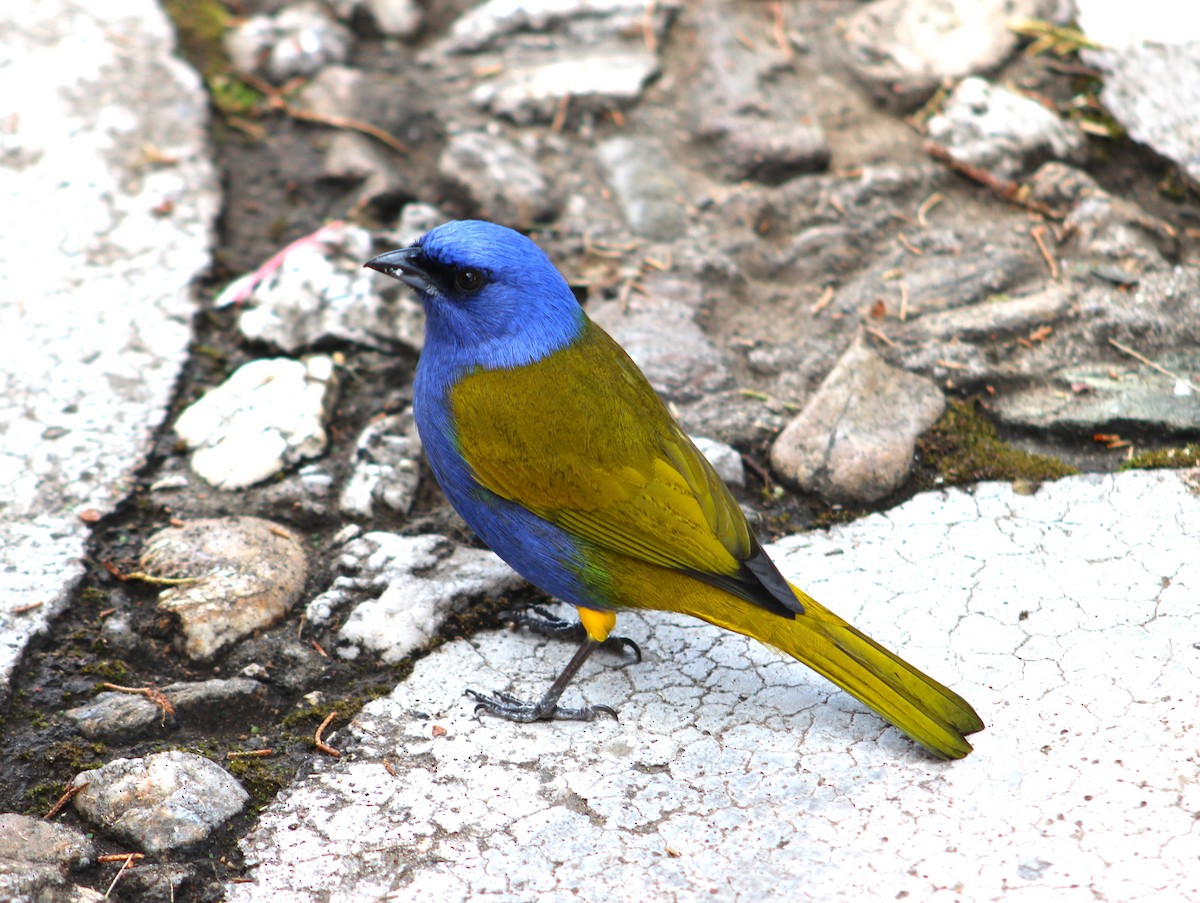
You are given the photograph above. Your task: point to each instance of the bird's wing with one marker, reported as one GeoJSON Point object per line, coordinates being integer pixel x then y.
{"type": "Point", "coordinates": [580, 439]}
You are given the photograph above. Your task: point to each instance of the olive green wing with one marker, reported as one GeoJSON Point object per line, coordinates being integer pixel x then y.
{"type": "Point", "coordinates": [581, 439]}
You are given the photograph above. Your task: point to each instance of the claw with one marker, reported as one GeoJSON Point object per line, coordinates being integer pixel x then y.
{"type": "Point", "coordinates": [504, 705]}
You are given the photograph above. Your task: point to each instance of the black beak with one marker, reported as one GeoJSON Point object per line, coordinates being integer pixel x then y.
{"type": "Point", "coordinates": [405, 264]}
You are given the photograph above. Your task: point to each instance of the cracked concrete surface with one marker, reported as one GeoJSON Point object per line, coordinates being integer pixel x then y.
{"type": "Point", "coordinates": [1068, 617]}
{"type": "Point", "coordinates": [107, 218]}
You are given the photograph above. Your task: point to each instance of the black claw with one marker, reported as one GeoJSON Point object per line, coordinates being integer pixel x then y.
{"type": "Point", "coordinates": [505, 705]}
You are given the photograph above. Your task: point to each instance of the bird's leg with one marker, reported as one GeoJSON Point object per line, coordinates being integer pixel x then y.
{"type": "Point", "coordinates": [546, 708]}
{"type": "Point", "coordinates": [547, 624]}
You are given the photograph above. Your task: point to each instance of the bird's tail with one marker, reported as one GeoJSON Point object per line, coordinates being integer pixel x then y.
{"type": "Point", "coordinates": [934, 716]}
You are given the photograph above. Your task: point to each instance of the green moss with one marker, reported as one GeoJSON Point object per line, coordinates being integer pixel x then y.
{"type": "Point", "coordinates": [75, 755]}
{"type": "Point", "coordinates": [1187, 456]}
{"type": "Point", "coordinates": [262, 778]}
{"type": "Point", "coordinates": [112, 670]}
{"type": "Point", "coordinates": [963, 447]}
{"type": "Point", "coordinates": [93, 596]}
{"type": "Point", "coordinates": [200, 26]}
{"type": "Point", "coordinates": [38, 799]}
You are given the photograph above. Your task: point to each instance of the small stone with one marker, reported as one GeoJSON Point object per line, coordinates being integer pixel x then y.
{"type": "Point", "coordinates": [904, 49]}
{"type": "Point", "coordinates": [121, 715]}
{"type": "Point", "coordinates": [587, 82]}
{"type": "Point", "coordinates": [658, 330]}
{"type": "Point", "coordinates": [162, 802]}
{"type": "Point", "coordinates": [725, 459]}
{"type": "Point", "coordinates": [1106, 397]}
{"type": "Point", "coordinates": [588, 21]}
{"type": "Point", "coordinates": [297, 41]}
{"type": "Point", "coordinates": [854, 440]}
{"type": "Point", "coordinates": [1009, 134]}
{"type": "Point", "coordinates": [502, 179]}
{"type": "Point", "coordinates": [387, 469]}
{"type": "Point", "coordinates": [647, 185]}
{"type": "Point", "coordinates": [416, 582]}
{"type": "Point", "coordinates": [37, 858]}
{"type": "Point", "coordinates": [270, 413]}
{"type": "Point", "coordinates": [319, 291]}
{"type": "Point", "coordinates": [1101, 227]}
{"type": "Point", "coordinates": [1153, 90]}
{"type": "Point", "coordinates": [395, 18]}
{"type": "Point", "coordinates": [245, 574]}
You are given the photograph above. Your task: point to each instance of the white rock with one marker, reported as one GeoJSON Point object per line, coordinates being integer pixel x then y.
{"type": "Point", "coordinates": [601, 80]}
{"type": "Point", "coordinates": [270, 413]}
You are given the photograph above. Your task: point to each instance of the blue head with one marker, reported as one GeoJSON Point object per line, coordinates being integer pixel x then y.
{"type": "Point", "coordinates": [492, 298]}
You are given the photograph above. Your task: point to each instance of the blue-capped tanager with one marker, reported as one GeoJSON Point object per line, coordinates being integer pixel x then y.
{"type": "Point", "coordinates": [551, 444]}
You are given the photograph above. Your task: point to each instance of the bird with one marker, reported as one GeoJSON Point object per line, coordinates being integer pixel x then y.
{"type": "Point", "coordinates": [555, 449]}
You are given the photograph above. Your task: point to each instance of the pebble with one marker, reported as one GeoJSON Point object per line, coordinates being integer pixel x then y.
{"type": "Point", "coordinates": [902, 50]}
{"type": "Point", "coordinates": [37, 858]}
{"type": "Point", "coordinates": [587, 82]}
{"type": "Point", "coordinates": [854, 440]}
{"type": "Point", "coordinates": [297, 41]}
{"type": "Point", "coordinates": [119, 716]}
{"type": "Point", "coordinates": [658, 329]}
{"type": "Point", "coordinates": [387, 468]}
{"type": "Point", "coordinates": [269, 414]}
{"type": "Point", "coordinates": [648, 187]}
{"type": "Point", "coordinates": [999, 130]}
{"type": "Point", "coordinates": [411, 583]}
{"type": "Point", "coordinates": [318, 291]}
{"type": "Point", "coordinates": [245, 574]}
{"type": "Point", "coordinates": [163, 802]}
{"type": "Point", "coordinates": [501, 178]}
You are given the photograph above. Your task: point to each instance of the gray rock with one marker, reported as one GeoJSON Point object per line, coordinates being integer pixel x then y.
{"type": "Point", "coordinates": [1092, 397]}
{"type": "Point", "coordinates": [731, 417]}
{"type": "Point", "coordinates": [245, 573]}
{"type": "Point", "coordinates": [412, 583]}
{"type": "Point", "coordinates": [113, 715]}
{"type": "Point", "coordinates": [855, 438]}
{"type": "Point", "coordinates": [387, 467]}
{"type": "Point", "coordinates": [270, 413]}
{"type": "Point", "coordinates": [395, 18]}
{"type": "Point", "coordinates": [163, 802]}
{"type": "Point", "coordinates": [903, 49]}
{"type": "Point", "coordinates": [502, 179]}
{"type": "Point", "coordinates": [991, 320]}
{"type": "Point", "coordinates": [37, 858]}
{"type": "Point", "coordinates": [589, 81]}
{"type": "Point", "coordinates": [316, 289]}
{"type": "Point", "coordinates": [936, 281]}
{"type": "Point", "coordinates": [658, 330]}
{"type": "Point", "coordinates": [1153, 90]}
{"type": "Point", "coordinates": [648, 186]}
{"type": "Point", "coordinates": [752, 106]}
{"type": "Point", "coordinates": [297, 41]}
{"type": "Point", "coordinates": [754, 145]}
{"type": "Point", "coordinates": [725, 459]}
{"type": "Point", "coordinates": [588, 21]}
{"type": "Point", "coordinates": [99, 248]}
{"type": "Point", "coordinates": [1102, 228]}
{"type": "Point", "coordinates": [996, 129]}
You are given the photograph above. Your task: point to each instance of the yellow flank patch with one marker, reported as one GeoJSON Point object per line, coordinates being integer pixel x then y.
{"type": "Point", "coordinates": [598, 624]}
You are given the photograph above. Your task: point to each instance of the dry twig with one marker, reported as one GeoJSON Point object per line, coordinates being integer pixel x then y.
{"type": "Point", "coordinates": [321, 744]}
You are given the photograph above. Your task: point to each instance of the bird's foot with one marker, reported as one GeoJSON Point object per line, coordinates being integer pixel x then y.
{"type": "Point", "coordinates": [506, 706]}
{"type": "Point", "coordinates": [543, 622]}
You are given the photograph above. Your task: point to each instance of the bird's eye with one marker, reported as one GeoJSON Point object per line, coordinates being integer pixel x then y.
{"type": "Point", "coordinates": [469, 280]}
